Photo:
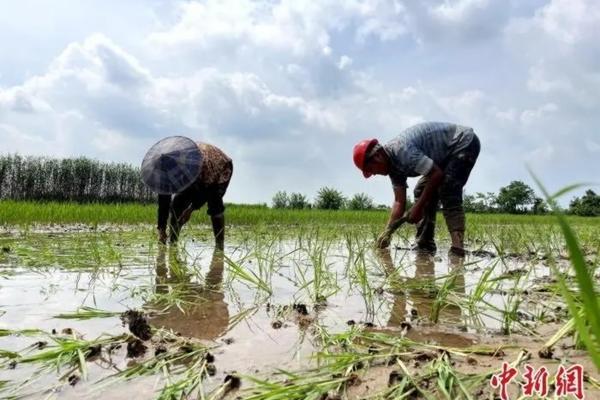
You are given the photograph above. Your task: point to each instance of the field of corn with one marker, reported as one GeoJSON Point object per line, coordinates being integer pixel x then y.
{"type": "Point", "coordinates": [298, 306]}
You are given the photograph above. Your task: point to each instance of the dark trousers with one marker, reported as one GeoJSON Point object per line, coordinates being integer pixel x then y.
{"type": "Point", "coordinates": [456, 173]}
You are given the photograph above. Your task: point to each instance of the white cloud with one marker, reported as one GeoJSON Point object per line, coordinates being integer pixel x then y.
{"type": "Point", "coordinates": [344, 62]}
{"type": "Point", "coordinates": [531, 116]}
{"type": "Point", "coordinates": [287, 87]}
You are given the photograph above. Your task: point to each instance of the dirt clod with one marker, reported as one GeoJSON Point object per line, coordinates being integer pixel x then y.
{"type": "Point", "coordinates": [135, 348]}
{"type": "Point", "coordinates": [234, 381]}
{"type": "Point", "coordinates": [394, 378]}
{"type": "Point", "coordinates": [358, 366]}
{"type": "Point", "coordinates": [209, 358]}
{"type": "Point", "coordinates": [300, 308]}
{"type": "Point", "coordinates": [93, 352]}
{"type": "Point", "coordinates": [160, 349]}
{"type": "Point", "coordinates": [472, 361]}
{"type": "Point", "coordinates": [546, 352]}
{"type": "Point", "coordinates": [73, 379]}
{"type": "Point", "coordinates": [350, 322]}
{"type": "Point", "coordinates": [137, 323]}
{"type": "Point", "coordinates": [211, 369]}
{"type": "Point", "coordinates": [276, 324]}
{"type": "Point", "coordinates": [424, 356]}
{"type": "Point", "coordinates": [353, 380]}
{"type": "Point", "coordinates": [67, 331]}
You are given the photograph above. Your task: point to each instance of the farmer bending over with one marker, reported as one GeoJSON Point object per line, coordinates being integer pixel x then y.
{"type": "Point", "coordinates": [443, 154]}
{"type": "Point", "coordinates": [187, 175]}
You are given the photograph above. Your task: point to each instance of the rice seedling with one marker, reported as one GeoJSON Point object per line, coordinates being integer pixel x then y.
{"type": "Point", "coordinates": [588, 297]}
{"type": "Point", "coordinates": [270, 267]}
{"type": "Point", "coordinates": [248, 277]}
{"type": "Point", "coordinates": [86, 312]}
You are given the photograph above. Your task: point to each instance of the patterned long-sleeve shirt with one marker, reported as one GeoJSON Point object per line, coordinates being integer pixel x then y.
{"type": "Point", "coordinates": [210, 186]}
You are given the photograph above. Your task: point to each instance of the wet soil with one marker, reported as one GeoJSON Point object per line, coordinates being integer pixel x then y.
{"type": "Point", "coordinates": [195, 296]}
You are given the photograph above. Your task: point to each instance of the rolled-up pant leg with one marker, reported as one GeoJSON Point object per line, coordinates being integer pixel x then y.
{"type": "Point", "coordinates": [426, 228]}
{"type": "Point", "coordinates": [456, 174]}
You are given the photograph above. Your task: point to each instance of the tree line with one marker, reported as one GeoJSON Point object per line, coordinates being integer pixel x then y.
{"type": "Point", "coordinates": [85, 180]}
{"type": "Point", "coordinates": [327, 198]}
{"type": "Point", "coordinates": [519, 198]}
{"type": "Point", "coordinates": [515, 198]}
{"type": "Point", "coordinates": [71, 179]}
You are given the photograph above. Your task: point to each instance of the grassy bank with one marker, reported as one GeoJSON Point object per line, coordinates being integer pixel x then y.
{"type": "Point", "coordinates": [25, 212]}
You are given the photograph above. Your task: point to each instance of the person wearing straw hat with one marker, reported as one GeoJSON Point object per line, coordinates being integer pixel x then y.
{"type": "Point", "coordinates": [443, 154]}
{"type": "Point", "coordinates": [186, 175]}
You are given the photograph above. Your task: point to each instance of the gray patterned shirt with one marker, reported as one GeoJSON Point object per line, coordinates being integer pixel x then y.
{"type": "Point", "coordinates": [417, 148]}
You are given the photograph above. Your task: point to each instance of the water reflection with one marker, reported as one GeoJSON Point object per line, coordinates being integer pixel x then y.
{"type": "Point", "coordinates": [419, 297]}
{"type": "Point", "coordinates": [199, 309]}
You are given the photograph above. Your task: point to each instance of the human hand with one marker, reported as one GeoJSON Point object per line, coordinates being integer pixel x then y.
{"type": "Point", "coordinates": [383, 241]}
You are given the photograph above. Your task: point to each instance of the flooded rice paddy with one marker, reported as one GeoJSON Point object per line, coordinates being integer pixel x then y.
{"type": "Point", "coordinates": [111, 314]}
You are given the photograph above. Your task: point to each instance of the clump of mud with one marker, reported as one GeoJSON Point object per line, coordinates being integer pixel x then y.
{"type": "Point", "coordinates": [93, 352]}
{"type": "Point", "coordinates": [276, 324]}
{"type": "Point", "coordinates": [233, 382]}
{"type": "Point", "coordinates": [160, 349]}
{"type": "Point", "coordinates": [135, 348]}
{"type": "Point", "coordinates": [73, 379]}
{"type": "Point", "coordinates": [394, 378]}
{"type": "Point", "coordinates": [300, 308]}
{"type": "Point", "coordinates": [137, 323]}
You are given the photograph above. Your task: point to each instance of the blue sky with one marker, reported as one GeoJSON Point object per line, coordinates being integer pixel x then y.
{"type": "Point", "coordinates": [287, 87]}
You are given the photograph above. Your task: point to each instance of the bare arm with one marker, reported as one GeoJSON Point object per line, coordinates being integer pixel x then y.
{"type": "Point", "coordinates": [398, 208]}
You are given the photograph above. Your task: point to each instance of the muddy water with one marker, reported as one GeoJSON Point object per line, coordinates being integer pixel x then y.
{"type": "Point", "coordinates": [196, 292]}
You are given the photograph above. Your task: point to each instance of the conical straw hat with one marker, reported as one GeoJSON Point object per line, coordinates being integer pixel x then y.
{"type": "Point", "coordinates": [171, 165]}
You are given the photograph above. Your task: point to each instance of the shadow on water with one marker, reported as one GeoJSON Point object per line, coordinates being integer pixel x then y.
{"type": "Point", "coordinates": [201, 310]}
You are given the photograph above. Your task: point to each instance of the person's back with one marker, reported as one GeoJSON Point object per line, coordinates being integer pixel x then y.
{"type": "Point", "coordinates": [435, 140]}
{"type": "Point", "coordinates": [216, 165]}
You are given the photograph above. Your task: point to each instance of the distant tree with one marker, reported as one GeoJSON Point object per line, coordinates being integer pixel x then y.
{"type": "Point", "coordinates": [470, 203]}
{"type": "Point", "coordinates": [539, 206]}
{"type": "Point", "coordinates": [480, 202]}
{"type": "Point", "coordinates": [586, 205]}
{"type": "Point", "coordinates": [281, 200]}
{"type": "Point", "coordinates": [298, 201]}
{"type": "Point", "coordinates": [515, 198]}
{"type": "Point", "coordinates": [329, 199]}
{"type": "Point", "coordinates": [360, 201]}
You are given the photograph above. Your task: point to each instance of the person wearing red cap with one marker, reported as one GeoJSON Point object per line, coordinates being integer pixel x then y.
{"type": "Point", "coordinates": [443, 154]}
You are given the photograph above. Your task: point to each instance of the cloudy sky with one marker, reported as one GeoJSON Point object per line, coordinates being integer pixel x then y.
{"type": "Point", "coordinates": [287, 87]}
